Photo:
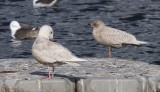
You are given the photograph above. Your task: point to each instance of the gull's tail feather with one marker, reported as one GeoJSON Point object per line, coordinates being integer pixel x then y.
{"type": "Point", "coordinates": [77, 59]}
{"type": "Point", "coordinates": [141, 42]}
{"type": "Point", "coordinates": [73, 63]}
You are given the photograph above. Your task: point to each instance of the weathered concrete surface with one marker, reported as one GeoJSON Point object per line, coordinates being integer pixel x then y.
{"type": "Point", "coordinates": [60, 85]}
{"type": "Point", "coordinates": [153, 84]}
{"type": "Point", "coordinates": [27, 69]}
{"type": "Point", "coordinates": [96, 75]}
{"type": "Point", "coordinates": [109, 85]}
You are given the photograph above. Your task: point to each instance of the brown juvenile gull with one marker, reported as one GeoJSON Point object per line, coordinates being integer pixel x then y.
{"type": "Point", "coordinates": [18, 32]}
{"type": "Point", "coordinates": [50, 53]}
{"type": "Point", "coordinates": [44, 3]}
{"type": "Point", "coordinates": [111, 37]}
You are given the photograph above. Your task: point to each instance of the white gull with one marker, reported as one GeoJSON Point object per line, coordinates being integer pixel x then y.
{"type": "Point", "coordinates": [50, 53]}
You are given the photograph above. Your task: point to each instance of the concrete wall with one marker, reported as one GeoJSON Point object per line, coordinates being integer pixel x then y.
{"type": "Point", "coordinates": [96, 75]}
{"type": "Point", "coordinates": [83, 85]}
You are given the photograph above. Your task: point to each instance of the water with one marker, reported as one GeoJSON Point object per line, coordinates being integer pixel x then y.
{"type": "Point", "coordinates": [71, 17]}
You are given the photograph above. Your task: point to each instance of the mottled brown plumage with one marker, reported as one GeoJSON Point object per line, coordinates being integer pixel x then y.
{"type": "Point", "coordinates": [26, 32]}
{"type": "Point", "coordinates": [19, 32]}
{"type": "Point", "coordinates": [111, 37]}
{"type": "Point", "coordinates": [44, 1]}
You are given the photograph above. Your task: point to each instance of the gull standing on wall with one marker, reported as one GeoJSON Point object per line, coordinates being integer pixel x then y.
{"type": "Point", "coordinates": [50, 53]}
{"type": "Point", "coordinates": [111, 37]}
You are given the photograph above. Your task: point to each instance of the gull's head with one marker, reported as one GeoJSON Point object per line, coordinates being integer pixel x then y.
{"type": "Point", "coordinates": [34, 2]}
{"type": "Point", "coordinates": [14, 26]}
{"type": "Point", "coordinates": [97, 24]}
{"type": "Point", "coordinates": [46, 31]}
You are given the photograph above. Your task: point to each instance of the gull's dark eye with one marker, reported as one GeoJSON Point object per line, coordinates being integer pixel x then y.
{"type": "Point", "coordinates": [94, 24]}
{"type": "Point", "coordinates": [50, 32]}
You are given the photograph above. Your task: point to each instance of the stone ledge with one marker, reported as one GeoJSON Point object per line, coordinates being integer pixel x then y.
{"type": "Point", "coordinates": [96, 75]}
{"type": "Point", "coordinates": [110, 85]}
{"type": "Point", "coordinates": [58, 85]}
{"type": "Point", "coordinates": [83, 85]}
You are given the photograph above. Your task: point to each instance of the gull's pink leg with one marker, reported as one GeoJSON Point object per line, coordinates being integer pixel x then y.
{"type": "Point", "coordinates": [49, 74]}
{"type": "Point", "coordinates": [109, 54]}
{"type": "Point", "coordinates": [110, 49]}
{"type": "Point", "coordinates": [52, 72]}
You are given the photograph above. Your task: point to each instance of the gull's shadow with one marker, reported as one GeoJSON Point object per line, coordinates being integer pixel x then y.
{"type": "Point", "coordinates": [70, 77]}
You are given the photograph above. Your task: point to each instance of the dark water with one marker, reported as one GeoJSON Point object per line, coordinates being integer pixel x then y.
{"type": "Point", "coordinates": [138, 17]}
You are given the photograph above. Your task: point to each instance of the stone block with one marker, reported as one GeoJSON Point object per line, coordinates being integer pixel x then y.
{"type": "Point", "coordinates": [28, 86]}
{"type": "Point", "coordinates": [60, 85]}
{"type": "Point", "coordinates": [1, 86]}
{"type": "Point", "coordinates": [153, 84]}
{"type": "Point", "coordinates": [8, 85]}
{"type": "Point", "coordinates": [109, 85]}
{"type": "Point", "coordinates": [54, 85]}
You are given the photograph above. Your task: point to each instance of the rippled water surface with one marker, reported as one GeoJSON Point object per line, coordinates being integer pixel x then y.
{"type": "Point", "coordinates": [71, 17]}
